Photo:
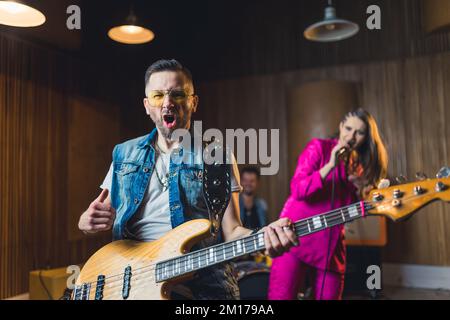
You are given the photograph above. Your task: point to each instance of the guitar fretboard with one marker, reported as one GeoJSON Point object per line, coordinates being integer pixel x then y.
{"type": "Point", "coordinates": [210, 256]}
{"type": "Point", "coordinates": [330, 219]}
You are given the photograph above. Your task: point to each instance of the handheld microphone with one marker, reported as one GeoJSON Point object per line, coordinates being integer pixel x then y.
{"type": "Point", "coordinates": [342, 154]}
{"type": "Point", "coordinates": [345, 151]}
{"type": "Point", "coordinates": [342, 151]}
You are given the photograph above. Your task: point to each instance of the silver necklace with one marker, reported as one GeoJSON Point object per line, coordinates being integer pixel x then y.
{"type": "Point", "coordinates": [163, 179]}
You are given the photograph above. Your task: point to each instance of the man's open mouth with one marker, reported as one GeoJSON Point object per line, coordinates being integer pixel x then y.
{"type": "Point", "coordinates": [169, 120]}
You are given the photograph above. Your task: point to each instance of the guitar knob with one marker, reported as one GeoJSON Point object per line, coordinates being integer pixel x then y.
{"type": "Point", "coordinates": [421, 176]}
{"type": "Point", "coordinates": [384, 183]}
{"type": "Point", "coordinates": [401, 179]}
{"type": "Point", "coordinates": [396, 203]}
{"type": "Point", "coordinates": [377, 196]}
{"type": "Point", "coordinates": [440, 186]}
{"type": "Point", "coordinates": [443, 173]}
{"type": "Point", "coordinates": [397, 194]}
{"type": "Point", "coordinates": [418, 190]}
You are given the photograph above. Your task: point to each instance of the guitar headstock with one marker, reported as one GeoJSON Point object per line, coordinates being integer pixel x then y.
{"type": "Point", "coordinates": [400, 201]}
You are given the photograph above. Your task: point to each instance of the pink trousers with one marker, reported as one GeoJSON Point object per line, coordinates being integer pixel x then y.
{"type": "Point", "coordinates": [288, 275]}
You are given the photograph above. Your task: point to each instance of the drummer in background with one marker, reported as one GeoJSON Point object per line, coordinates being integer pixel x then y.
{"type": "Point", "coordinates": [253, 208]}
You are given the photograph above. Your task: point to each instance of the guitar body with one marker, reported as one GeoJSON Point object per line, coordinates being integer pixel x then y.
{"type": "Point", "coordinates": [113, 259]}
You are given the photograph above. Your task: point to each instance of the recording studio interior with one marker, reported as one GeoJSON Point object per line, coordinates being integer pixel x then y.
{"type": "Point", "coordinates": [336, 184]}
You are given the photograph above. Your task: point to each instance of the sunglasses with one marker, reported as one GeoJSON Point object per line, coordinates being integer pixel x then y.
{"type": "Point", "coordinates": [156, 97]}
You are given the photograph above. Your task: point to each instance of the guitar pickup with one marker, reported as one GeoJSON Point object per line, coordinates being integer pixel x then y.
{"type": "Point", "coordinates": [126, 283]}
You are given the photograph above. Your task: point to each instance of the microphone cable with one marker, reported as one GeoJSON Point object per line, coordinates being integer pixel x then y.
{"type": "Point", "coordinates": [329, 233]}
{"type": "Point", "coordinates": [329, 238]}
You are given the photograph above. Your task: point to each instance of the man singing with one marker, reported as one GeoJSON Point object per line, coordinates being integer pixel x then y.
{"type": "Point", "coordinates": [148, 191]}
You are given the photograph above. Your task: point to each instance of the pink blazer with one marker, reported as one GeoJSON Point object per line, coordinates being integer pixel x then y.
{"type": "Point", "coordinates": [310, 196]}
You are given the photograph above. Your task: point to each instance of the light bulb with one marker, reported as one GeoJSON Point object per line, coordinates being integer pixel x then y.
{"type": "Point", "coordinates": [131, 29]}
{"type": "Point", "coordinates": [12, 7]}
{"type": "Point", "coordinates": [20, 15]}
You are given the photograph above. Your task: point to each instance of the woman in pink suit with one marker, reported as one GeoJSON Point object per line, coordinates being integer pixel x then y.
{"type": "Point", "coordinates": [322, 255]}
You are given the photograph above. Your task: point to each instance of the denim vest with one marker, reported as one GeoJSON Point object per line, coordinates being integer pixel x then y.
{"type": "Point", "coordinates": [133, 165]}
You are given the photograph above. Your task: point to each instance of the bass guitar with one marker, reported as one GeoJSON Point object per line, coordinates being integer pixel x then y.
{"type": "Point", "coordinates": [128, 269]}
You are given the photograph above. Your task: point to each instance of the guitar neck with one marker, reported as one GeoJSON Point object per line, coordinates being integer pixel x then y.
{"type": "Point", "coordinates": [331, 219]}
{"type": "Point", "coordinates": [227, 251]}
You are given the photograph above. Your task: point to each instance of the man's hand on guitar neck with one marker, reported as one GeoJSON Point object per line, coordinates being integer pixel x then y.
{"type": "Point", "coordinates": [279, 237]}
{"type": "Point", "coordinates": [99, 216]}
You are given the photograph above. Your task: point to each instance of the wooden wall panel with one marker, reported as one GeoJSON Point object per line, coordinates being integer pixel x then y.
{"type": "Point", "coordinates": [410, 100]}
{"type": "Point", "coordinates": [256, 102]}
{"type": "Point", "coordinates": [93, 130]}
{"type": "Point", "coordinates": [436, 14]}
{"type": "Point", "coordinates": [35, 90]}
{"type": "Point", "coordinates": [306, 106]}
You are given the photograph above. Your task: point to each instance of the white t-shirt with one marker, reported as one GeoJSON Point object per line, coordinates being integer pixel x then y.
{"type": "Point", "coordinates": [152, 219]}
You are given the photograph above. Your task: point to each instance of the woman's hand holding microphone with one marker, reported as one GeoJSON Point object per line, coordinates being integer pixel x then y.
{"type": "Point", "coordinates": [338, 151]}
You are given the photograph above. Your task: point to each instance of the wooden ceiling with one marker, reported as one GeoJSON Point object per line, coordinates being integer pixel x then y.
{"type": "Point", "coordinates": [229, 38]}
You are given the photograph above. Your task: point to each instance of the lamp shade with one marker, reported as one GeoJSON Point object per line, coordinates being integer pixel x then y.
{"type": "Point", "coordinates": [331, 28]}
{"type": "Point", "coordinates": [18, 14]}
{"type": "Point", "coordinates": [130, 32]}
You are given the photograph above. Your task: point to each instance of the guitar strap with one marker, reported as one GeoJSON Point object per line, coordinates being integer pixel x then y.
{"type": "Point", "coordinates": [216, 181]}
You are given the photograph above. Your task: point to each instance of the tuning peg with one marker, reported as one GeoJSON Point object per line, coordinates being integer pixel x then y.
{"type": "Point", "coordinates": [443, 173]}
{"type": "Point", "coordinates": [401, 179]}
{"type": "Point", "coordinates": [384, 183]}
{"type": "Point", "coordinates": [421, 176]}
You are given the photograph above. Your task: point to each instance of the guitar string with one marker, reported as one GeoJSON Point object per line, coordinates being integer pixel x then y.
{"type": "Point", "coordinates": [141, 278]}
{"type": "Point", "coordinates": [300, 224]}
{"type": "Point", "coordinates": [331, 218]}
{"type": "Point", "coordinates": [170, 269]}
{"type": "Point", "coordinates": [201, 254]}
{"type": "Point", "coordinates": [117, 295]}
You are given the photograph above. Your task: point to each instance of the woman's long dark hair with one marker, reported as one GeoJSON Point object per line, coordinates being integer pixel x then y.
{"type": "Point", "coordinates": [372, 154]}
